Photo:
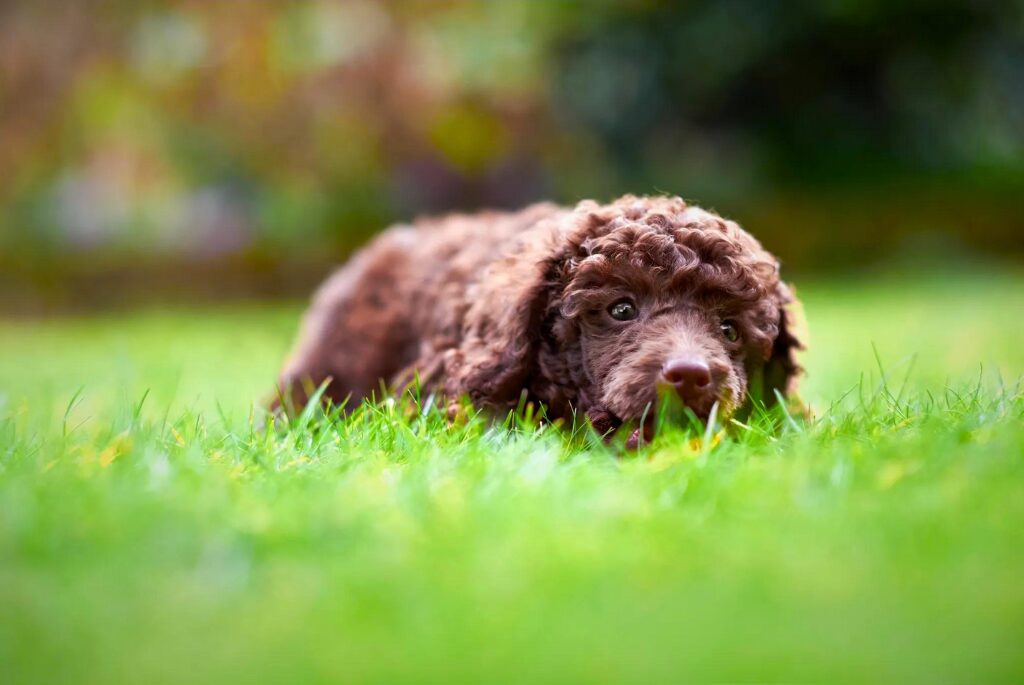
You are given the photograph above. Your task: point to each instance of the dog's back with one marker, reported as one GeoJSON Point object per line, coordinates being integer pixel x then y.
{"type": "Point", "coordinates": [395, 301]}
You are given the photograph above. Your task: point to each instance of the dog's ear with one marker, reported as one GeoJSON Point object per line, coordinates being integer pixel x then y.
{"type": "Point", "coordinates": [502, 326]}
{"type": "Point", "coordinates": [782, 370]}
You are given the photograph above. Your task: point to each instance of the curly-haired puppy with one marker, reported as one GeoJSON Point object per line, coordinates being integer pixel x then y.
{"type": "Point", "coordinates": [597, 309]}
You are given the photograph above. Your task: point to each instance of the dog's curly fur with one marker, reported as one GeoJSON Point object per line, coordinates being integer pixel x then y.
{"type": "Point", "coordinates": [494, 305]}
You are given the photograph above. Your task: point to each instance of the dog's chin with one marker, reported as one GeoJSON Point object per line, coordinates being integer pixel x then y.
{"type": "Point", "coordinates": [666, 410]}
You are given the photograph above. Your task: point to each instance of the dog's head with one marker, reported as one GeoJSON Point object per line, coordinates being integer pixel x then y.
{"type": "Point", "coordinates": [621, 304]}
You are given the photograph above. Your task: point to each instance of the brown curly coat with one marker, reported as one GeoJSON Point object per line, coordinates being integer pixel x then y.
{"type": "Point", "coordinates": [494, 305]}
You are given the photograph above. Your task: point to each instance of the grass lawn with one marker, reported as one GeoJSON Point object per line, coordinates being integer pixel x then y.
{"type": "Point", "coordinates": [148, 533]}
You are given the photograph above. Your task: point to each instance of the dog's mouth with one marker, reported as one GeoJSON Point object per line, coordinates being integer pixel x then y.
{"type": "Point", "coordinates": [641, 435]}
{"type": "Point", "coordinates": [610, 427]}
{"type": "Point", "coordinates": [665, 410]}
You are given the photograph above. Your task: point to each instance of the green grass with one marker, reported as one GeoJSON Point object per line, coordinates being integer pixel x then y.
{"type": "Point", "coordinates": [149, 533]}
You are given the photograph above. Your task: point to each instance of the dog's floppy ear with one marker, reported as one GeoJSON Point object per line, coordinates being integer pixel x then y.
{"type": "Point", "coordinates": [502, 326]}
{"type": "Point", "coordinates": [782, 370]}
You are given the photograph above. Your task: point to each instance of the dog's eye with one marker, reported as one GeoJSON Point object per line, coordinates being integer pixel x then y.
{"type": "Point", "coordinates": [623, 310]}
{"type": "Point", "coordinates": [729, 330]}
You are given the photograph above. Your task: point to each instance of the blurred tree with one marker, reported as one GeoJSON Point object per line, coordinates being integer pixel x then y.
{"type": "Point", "coordinates": [156, 133]}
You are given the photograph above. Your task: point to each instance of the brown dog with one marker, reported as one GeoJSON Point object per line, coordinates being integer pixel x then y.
{"type": "Point", "coordinates": [594, 309]}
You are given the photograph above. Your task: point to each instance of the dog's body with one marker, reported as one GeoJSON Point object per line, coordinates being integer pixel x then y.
{"type": "Point", "coordinates": [589, 309]}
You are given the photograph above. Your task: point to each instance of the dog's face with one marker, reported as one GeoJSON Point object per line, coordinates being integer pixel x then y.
{"type": "Point", "coordinates": [682, 310]}
{"type": "Point", "coordinates": [644, 342]}
{"type": "Point", "coordinates": [608, 310]}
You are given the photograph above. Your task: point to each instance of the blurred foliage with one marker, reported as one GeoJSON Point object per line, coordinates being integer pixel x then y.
{"type": "Point", "coordinates": [155, 133]}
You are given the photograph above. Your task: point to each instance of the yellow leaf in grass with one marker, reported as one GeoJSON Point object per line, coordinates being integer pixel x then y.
{"type": "Point", "coordinates": [118, 446]}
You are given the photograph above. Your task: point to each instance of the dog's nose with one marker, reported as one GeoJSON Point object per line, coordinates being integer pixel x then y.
{"type": "Point", "coordinates": [691, 377]}
{"type": "Point", "coordinates": [687, 372]}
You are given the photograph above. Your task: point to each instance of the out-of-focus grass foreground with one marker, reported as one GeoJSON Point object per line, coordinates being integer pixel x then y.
{"type": "Point", "coordinates": [151, 532]}
{"type": "Point", "coordinates": [176, 176]}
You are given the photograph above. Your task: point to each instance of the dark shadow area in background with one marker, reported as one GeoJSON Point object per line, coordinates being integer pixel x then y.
{"type": "Point", "coordinates": [180, 150]}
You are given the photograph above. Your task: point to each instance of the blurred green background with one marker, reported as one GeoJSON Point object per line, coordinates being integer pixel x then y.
{"type": "Point", "coordinates": [179, 149]}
